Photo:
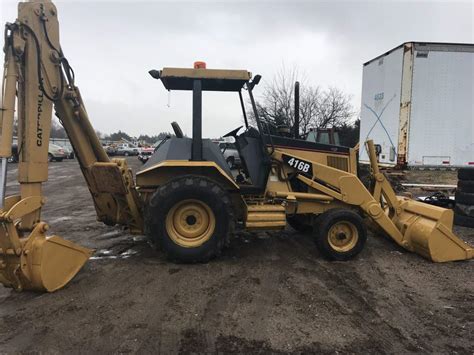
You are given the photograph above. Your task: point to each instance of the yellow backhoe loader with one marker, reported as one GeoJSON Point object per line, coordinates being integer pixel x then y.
{"type": "Point", "coordinates": [185, 198]}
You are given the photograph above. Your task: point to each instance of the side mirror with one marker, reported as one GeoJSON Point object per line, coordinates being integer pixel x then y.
{"type": "Point", "coordinates": [256, 79]}
{"type": "Point", "coordinates": [155, 74]}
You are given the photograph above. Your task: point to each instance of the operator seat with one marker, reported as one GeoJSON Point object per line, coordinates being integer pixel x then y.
{"type": "Point", "coordinates": [255, 162]}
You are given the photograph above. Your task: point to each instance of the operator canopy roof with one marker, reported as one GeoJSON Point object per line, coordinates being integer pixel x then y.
{"type": "Point", "coordinates": [211, 79]}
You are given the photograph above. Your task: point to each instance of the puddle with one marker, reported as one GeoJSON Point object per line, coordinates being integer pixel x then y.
{"type": "Point", "coordinates": [128, 253]}
{"type": "Point", "coordinates": [108, 254]}
{"type": "Point", "coordinates": [111, 234]}
{"type": "Point", "coordinates": [60, 219]}
{"type": "Point", "coordinates": [104, 252]}
{"type": "Point", "coordinates": [103, 257]}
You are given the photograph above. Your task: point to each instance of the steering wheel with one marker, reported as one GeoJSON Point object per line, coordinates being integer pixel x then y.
{"type": "Point", "coordinates": [233, 133]}
{"type": "Point", "coordinates": [177, 130]}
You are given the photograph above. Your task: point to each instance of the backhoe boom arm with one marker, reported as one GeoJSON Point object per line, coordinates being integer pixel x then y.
{"type": "Point", "coordinates": [37, 77]}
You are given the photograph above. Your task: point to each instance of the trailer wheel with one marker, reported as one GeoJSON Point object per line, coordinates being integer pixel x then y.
{"type": "Point", "coordinates": [300, 223]}
{"type": "Point", "coordinates": [466, 186]}
{"type": "Point", "coordinates": [190, 219]}
{"type": "Point", "coordinates": [464, 198]}
{"type": "Point", "coordinates": [340, 234]}
{"type": "Point", "coordinates": [466, 174]}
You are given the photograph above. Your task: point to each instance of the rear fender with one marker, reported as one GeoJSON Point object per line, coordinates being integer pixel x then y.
{"type": "Point", "coordinates": [163, 172]}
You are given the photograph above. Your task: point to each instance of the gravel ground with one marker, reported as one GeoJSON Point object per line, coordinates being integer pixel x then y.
{"type": "Point", "coordinates": [267, 293]}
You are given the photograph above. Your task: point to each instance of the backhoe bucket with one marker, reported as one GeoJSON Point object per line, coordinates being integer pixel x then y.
{"type": "Point", "coordinates": [44, 263]}
{"type": "Point", "coordinates": [54, 262]}
{"type": "Point", "coordinates": [427, 230]}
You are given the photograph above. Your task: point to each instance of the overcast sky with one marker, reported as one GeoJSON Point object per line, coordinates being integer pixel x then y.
{"type": "Point", "coordinates": [112, 45]}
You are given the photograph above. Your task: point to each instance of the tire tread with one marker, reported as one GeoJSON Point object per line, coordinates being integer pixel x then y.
{"type": "Point", "coordinates": [323, 224]}
{"type": "Point", "coordinates": [152, 226]}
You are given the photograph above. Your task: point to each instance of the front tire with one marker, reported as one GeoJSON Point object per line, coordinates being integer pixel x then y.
{"type": "Point", "coordinates": [190, 219]}
{"type": "Point", "coordinates": [340, 234]}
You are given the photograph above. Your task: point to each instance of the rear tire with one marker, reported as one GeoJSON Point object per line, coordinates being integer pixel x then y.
{"type": "Point", "coordinates": [190, 219]}
{"type": "Point", "coordinates": [50, 157]}
{"type": "Point", "coordinates": [340, 234]}
{"type": "Point", "coordinates": [300, 223]}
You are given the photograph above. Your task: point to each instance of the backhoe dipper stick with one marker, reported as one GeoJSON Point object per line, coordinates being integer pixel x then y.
{"type": "Point", "coordinates": [7, 109]}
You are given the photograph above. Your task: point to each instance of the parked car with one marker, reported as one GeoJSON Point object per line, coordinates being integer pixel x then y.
{"type": "Point", "coordinates": [145, 154]}
{"type": "Point", "coordinates": [127, 149]}
{"type": "Point", "coordinates": [110, 149]}
{"type": "Point", "coordinates": [56, 153]}
{"type": "Point", "coordinates": [231, 154]}
{"type": "Point", "coordinates": [69, 153]}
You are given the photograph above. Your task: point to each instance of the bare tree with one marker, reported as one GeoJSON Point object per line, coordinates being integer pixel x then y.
{"type": "Point", "coordinates": [318, 108]}
{"type": "Point", "coordinates": [57, 131]}
{"type": "Point", "coordinates": [334, 108]}
{"type": "Point", "coordinates": [276, 103]}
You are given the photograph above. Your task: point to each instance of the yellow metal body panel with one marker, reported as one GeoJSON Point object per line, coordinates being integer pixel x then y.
{"type": "Point", "coordinates": [163, 172]}
{"type": "Point", "coordinates": [265, 216]}
{"type": "Point", "coordinates": [223, 74]}
{"type": "Point", "coordinates": [211, 79]}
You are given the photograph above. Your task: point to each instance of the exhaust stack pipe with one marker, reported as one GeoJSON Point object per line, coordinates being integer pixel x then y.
{"type": "Point", "coordinates": [296, 126]}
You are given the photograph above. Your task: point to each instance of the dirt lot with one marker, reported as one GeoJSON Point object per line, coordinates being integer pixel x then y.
{"type": "Point", "coordinates": [268, 293]}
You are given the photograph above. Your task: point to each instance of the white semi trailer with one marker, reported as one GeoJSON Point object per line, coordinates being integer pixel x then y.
{"type": "Point", "coordinates": [418, 105]}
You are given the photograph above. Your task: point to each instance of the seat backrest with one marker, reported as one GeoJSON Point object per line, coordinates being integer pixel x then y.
{"type": "Point", "coordinates": [254, 161]}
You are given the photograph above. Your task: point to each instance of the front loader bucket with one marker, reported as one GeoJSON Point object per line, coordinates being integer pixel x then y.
{"type": "Point", "coordinates": [427, 230]}
{"type": "Point", "coordinates": [42, 263]}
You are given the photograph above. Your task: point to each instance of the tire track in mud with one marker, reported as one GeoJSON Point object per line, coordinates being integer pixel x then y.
{"type": "Point", "coordinates": [359, 301]}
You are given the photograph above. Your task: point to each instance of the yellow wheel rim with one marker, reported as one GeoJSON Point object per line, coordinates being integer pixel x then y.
{"type": "Point", "coordinates": [343, 236]}
{"type": "Point", "coordinates": [190, 223]}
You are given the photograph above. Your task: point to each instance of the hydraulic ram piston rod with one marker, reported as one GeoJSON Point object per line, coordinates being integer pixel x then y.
{"type": "Point", "coordinates": [3, 181]}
